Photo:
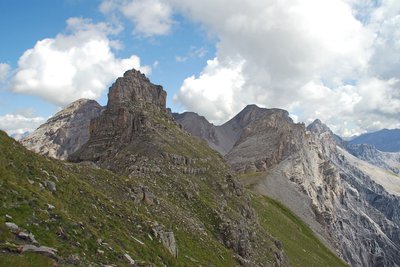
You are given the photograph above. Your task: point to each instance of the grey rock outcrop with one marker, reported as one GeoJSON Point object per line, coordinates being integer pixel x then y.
{"type": "Point", "coordinates": [126, 120]}
{"type": "Point", "coordinates": [65, 132]}
{"type": "Point", "coordinates": [167, 238]}
{"type": "Point", "coordinates": [351, 205]}
{"type": "Point", "coordinates": [220, 138]}
{"type": "Point", "coordinates": [386, 160]}
{"type": "Point", "coordinates": [353, 209]}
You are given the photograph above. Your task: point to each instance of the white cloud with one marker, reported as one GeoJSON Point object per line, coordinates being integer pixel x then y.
{"type": "Point", "coordinates": [213, 92]}
{"type": "Point", "coordinates": [337, 60]}
{"type": "Point", "coordinates": [18, 124]}
{"type": "Point", "coordinates": [150, 17]}
{"type": "Point", "coordinates": [4, 71]}
{"type": "Point", "coordinates": [70, 66]}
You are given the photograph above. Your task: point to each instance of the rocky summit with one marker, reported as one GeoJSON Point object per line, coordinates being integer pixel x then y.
{"type": "Point", "coordinates": [221, 138]}
{"type": "Point", "coordinates": [65, 132]}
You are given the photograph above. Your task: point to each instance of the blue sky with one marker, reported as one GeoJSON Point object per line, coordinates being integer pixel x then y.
{"type": "Point", "coordinates": [26, 22]}
{"type": "Point", "coordinates": [336, 60]}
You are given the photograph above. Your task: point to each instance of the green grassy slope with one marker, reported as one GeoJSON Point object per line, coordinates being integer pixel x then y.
{"type": "Point", "coordinates": [93, 220]}
{"type": "Point", "coordinates": [96, 221]}
{"type": "Point", "coordinates": [300, 244]}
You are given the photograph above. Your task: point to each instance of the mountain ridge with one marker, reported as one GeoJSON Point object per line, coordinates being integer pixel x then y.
{"type": "Point", "coordinates": [385, 140]}
{"type": "Point", "coordinates": [312, 163]}
{"type": "Point", "coordinates": [65, 132]}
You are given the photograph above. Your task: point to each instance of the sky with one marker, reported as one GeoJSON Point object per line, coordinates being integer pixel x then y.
{"type": "Point", "coordinates": [336, 60]}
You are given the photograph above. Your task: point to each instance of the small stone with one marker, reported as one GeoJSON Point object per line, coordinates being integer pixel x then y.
{"type": "Point", "coordinates": [27, 236]}
{"type": "Point", "coordinates": [51, 186]}
{"type": "Point", "coordinates": [42, 249]}
{"type": "Point", "coordinates": [50, 207]}
{"type": "Point", "coordinates": [100, 251]}
{"type": "Point", "coordinates": [55, 178]}
{"type": "Point", "coordinates": [131, 261]}
{"type": "Point", "coordinates": [8, 217]}
{"type": "Point", "coordinates": [12, 226]}
{"type": "Point", "coordinates": [74, 259]}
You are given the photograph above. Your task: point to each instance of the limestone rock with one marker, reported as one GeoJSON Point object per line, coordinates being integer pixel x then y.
{"type": "Point", "coordinates": [12, 226]}
{"type": "Point", "coordinates": [352, 206]}
{"type": "Point", "coordinates": [126, 119]}
{"type": "Point", "coordinates": [221, 138]}
{"type": "Point", "coordinates": [51, 252]}
{"type": "Point", "coordinates": [167, 238]}
{"type": "Point", "coordinates": [342, 193]}
{"type": "Point", "coordinates": [386, 160]}
{"type": "Point", "coordinates": [135, 87]}
{"type": "Point", "coordinates": [65, 132]}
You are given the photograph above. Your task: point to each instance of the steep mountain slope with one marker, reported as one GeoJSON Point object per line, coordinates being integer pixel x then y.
{"type": "Point", "coordinates": [78, 214]}
{"type": "Point", "coordinates": [347, 206]}
{"type": "Point", "coordinates": [65, 132]}
{"type": "Point", "coordinates": [221, 138]}
{"type": "Point", "coordinates": [384, 140]}
{"type": "Point", "coordinates": [368, 153]}
{"type": "Point", "coordinates": [200, 127]}
{"type": "Point", "coordinates": [135, 136]}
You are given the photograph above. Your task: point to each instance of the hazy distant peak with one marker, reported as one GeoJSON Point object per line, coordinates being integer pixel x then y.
{"type": "Point", "coordinates": [318, 127]}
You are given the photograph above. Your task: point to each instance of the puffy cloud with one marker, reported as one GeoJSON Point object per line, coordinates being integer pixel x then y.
{"type": "Point", "coordinates": [4, 71]}
{"type": "Point", "coordinates": [150, 17]}
{"type": "Point", "coordinates": [336, 60]}
{"type": "Point", "coordinates": [70, 66]}
{"type": "Point", "coordinates": [18, 124]}
{"type": "Point", "coordinates": [213, 92]}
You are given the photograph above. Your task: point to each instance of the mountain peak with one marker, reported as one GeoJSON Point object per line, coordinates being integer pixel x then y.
{"type": "Point", "coordinates": [318, 127]}
{"type": "Point", "coordinates": [135, 87]}
{"type": "Point", "coordinates": [66, 131]}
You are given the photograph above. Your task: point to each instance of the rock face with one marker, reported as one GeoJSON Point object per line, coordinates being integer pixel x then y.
{"type": "Point", "coordinates": [221, 138]}
{"type": "Point", "coordinates": [65, 132]}
{"type": "Point", "coordinates": [347, 205]}
{"type": "Point", "coordinates": [352, 206]}
{"type": "Point", "coordinates": [265, 142]}
{"type": "Point", "coordinates": [384, 140]}
{"type": "Point", "coordinates": [136, 88]}
{"type": "Point", "coordinates": [368, 153]}
{"type": "Point", "coordinates": [126, 121]}
{"type": "Point", "coordinates": [135, 136]}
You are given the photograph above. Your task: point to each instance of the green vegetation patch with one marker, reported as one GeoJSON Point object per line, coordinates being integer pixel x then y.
{"type": "Point", "coordinates": [299, 242]}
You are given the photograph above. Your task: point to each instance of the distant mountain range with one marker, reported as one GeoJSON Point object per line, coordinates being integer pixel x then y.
{"type": "Point", "coordinates": [384, 140]}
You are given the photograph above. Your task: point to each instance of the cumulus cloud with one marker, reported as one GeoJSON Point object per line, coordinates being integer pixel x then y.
{"type": "Point", "coordinates": [4, 71]}
{"type": "Point", "coordinates": [336, 60]}
{"type": "Point", "coordinates": [18, 124]}
{"type": "Point", "coordinates": [150, 17]}
{"type": "Point", "coordinates": [213, 92]}
{"type": "Point", "coordinates": [79, 64]}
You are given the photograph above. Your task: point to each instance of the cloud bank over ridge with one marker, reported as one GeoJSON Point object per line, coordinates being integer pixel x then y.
{"type": "Point", "coordinates": [337, 60]}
